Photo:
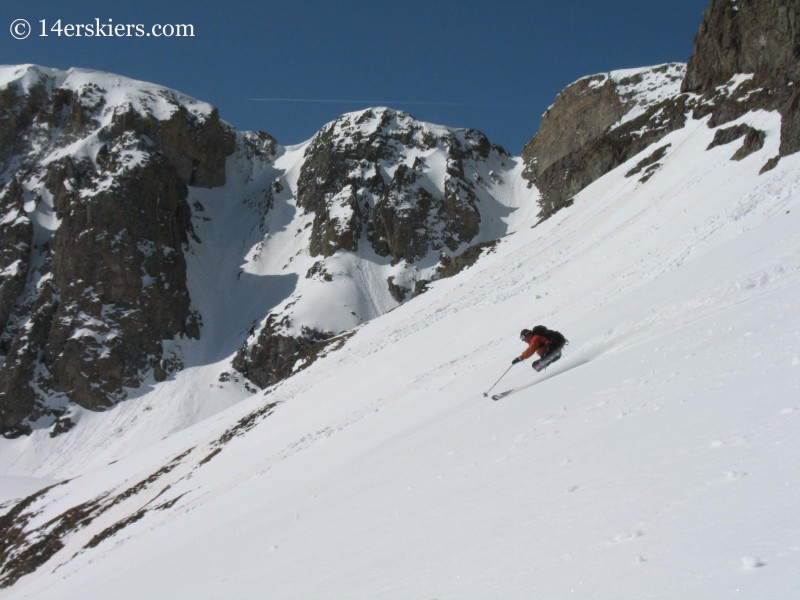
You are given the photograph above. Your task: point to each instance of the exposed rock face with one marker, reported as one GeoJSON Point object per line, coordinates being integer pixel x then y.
{"type": "Point", "coordinates": [746, 57]}
{"type": "Point", "coordinates": [580, 115]}
{"type": "Point", "coordinates": [745, 36]}
{"type": "Point", "coordinates": [94, 221]}
{"type": "Point", "coordinates": [275, 353]}
{"type": "Point", "coordinates": [367, 173]}
{"type": "Point", "coordinates": [16, 231]}
{"type": "Point", "coordinates": [760, 38]}
{"type": "Point", "coordinates": [596, 124]}
{"type": "Point", "coordinates": [753, 139]}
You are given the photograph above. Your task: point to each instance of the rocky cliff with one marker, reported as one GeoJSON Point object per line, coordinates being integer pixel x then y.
{"type": "Point", "coordinates": [367, 172]}
{"type": "Point", "coordinates": [94, 172]}
{"type": "Point", "coordinates": [745, 36]}
{"type": "Point", "coordinates": [596, 124]}
{"type": "Point", "coordinates": [745, 58]}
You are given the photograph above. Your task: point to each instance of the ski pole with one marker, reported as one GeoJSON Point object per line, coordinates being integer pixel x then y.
{"type": "Point", "coordinates": [486, 393]}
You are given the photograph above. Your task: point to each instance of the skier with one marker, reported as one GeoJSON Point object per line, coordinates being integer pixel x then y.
{"type": "Point", "coordinates": [545, 342]}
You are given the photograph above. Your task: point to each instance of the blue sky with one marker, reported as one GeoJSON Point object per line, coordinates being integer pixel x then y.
{"type": "Point", "coordinates": [289, 67]}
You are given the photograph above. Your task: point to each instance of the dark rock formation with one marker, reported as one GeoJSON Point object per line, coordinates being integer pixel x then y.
{"type": "Point", "coordinates": [648, 165]}
{"type": "Point", "coordinates": [760, 38]}
{"type": "Point", "coordinates": [753, 139]}
{"type": "Point", "coordinates": [580, 139]}
{"type": "Point", "coordinates": [95, 219]}
{"type": "Point", "coordinates": [745, 36]}
{"type": "Point", "coordinates": [583, 135]}
{"type": "Point", "coordinates": [358, 179]}
{"type": "Point", "coordinates": [277, 354]}
{"type": "Point", "coordinates": [16, 231]}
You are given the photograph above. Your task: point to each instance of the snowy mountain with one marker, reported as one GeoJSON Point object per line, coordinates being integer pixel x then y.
{"type": "Point", "coordinates": [658, 458]}
{"type": "Point", "coordinates": [94, 170]}
{"type": "Point", "coordinates": [134, 221]}
{"type": "Point", "coordinates": [362, 217]}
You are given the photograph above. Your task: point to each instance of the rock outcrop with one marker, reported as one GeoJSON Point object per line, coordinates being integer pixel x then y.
{"type": "Point", "coordinates": [596, 124]}
{"type": "Point", "coordinates": [745, 36]}
{"type": "Point", "coordinates": [367, 173]}
{"type": "Point", "coordinates": [94, 172]}
{"type": "Point", "coordinates": [746, 57]}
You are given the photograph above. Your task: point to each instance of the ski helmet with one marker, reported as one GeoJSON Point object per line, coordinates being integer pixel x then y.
{"type": "Point", "coordinates": [525, 334]}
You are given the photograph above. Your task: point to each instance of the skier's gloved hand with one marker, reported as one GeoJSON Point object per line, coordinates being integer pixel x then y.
{"type": "Point", "coordinates": [516, 360]}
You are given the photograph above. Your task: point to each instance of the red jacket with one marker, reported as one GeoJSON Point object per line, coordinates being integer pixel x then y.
{"type": "Point", "coordinates": [537, 344]}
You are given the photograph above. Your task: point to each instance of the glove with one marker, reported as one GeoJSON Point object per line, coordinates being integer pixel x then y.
{"type": "Point", "coordinates": [516, 360]}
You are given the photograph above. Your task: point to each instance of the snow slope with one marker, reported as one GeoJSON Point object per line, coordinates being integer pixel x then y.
{"type": "Point", "coordinates": [660, 458]}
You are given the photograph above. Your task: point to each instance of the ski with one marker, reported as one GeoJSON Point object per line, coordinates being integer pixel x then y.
{"type": "Point", "coordinates": [496, 397]}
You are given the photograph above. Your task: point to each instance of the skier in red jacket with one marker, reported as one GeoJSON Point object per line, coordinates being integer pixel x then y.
{"type": "Point", "coordinates": [547, 343]}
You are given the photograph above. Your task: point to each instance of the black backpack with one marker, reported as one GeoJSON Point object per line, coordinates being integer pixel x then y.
{"type": "Point", "coordinates": [555, 337]}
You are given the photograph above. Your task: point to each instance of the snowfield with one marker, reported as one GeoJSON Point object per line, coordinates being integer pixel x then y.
{"type": "Point", "coordinates": [659, 458]}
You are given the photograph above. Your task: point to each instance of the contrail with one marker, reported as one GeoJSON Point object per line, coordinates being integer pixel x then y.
{"type": "Point", "coordinates": [357, 101]}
